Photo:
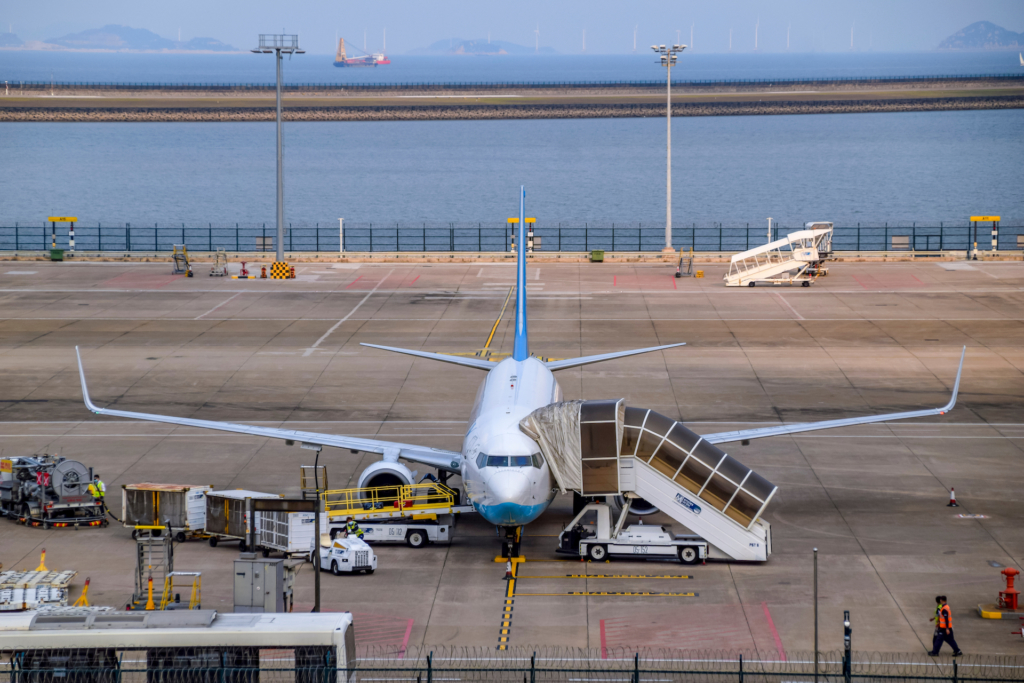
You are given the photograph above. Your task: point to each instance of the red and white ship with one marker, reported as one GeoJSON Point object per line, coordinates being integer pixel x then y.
{"type": "Point", "coordinates": [342, 58]}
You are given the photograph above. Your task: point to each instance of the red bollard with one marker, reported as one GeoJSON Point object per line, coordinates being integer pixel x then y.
{"type": "Point", "coordinates": [1008, 597]}
{"type": "Point", "coordinates": [263, 272]}
{"type": "Point", "coordinates": [243, 272]}
{"type": "Point", "coordinates": [292, 272]}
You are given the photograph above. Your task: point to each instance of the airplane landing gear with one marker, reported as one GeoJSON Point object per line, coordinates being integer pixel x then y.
{"type": "Point", "coordinates": [510, 545]}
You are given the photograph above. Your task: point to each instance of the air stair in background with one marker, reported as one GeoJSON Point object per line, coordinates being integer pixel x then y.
{"type": "Point", "coordinates": [603, 448]}
{"type": "Point", "coordinates": [797, 257]}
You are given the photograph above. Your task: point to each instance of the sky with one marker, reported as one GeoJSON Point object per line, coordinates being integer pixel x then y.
{"type": "Point", "coordinates": [812, 25]}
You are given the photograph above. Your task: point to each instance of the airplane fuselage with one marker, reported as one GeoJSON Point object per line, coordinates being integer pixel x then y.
{"type": "Point", "coordinates": [505, 477]}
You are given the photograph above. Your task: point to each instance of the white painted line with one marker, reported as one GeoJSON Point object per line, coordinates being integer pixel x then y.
{"type": "Point", "coordinates": [788, 305]}
{"type": "Point", "coordinates": [198, 317]}
{"type": "Point", "coordinates": [336, 325]}
{"type": "Point", "coordinates": [20, 272]}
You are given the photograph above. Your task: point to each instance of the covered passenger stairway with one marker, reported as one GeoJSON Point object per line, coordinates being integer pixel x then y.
{"type": "Point", "coordinates": [797, 257]}
{"type": "Point", "coordinates": [601, 448]}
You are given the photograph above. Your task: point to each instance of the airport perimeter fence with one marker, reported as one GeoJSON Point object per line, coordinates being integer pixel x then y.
{"type": "Point", "coordinates": [505, 85]}
{"type": "Point", "coordinates": [480, 237]}
{"type": "Point", "coordinates": [515, 665]}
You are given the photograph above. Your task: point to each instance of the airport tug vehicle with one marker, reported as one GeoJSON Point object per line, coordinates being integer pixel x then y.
{"type": "Point", "coordinates": [599, 541]}
{"type": "Point", "coordinates": [345, 555]}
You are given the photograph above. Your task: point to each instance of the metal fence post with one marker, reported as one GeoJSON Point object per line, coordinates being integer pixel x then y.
{"type": "Point", "coordinates": [533, 668]}
{"type": "Point", "coordinates": [954, 671]}
{"type": "Point", "coordinates": [636, 668]}
{"type": "Point", "coordinates": [236, 236]}
{"type": "Point", "coordinates": [290, 232]}
{"type": "Point", "coordinates": [430, 667]}
{"type": "Point", "coordinates": [371, 236]}
{"type": "Point", "coordinates": [741, 668]}
{"type": "Point", "coordinates": [613, 237]}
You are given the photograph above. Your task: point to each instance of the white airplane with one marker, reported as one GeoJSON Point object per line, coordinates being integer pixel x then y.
{"type": "Point", "coordinates": [505, 476]}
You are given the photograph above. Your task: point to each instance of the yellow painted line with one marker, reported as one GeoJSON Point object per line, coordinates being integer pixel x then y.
{"type": "Point", "coordinates": [609, 576]}
{"type": "Point", "coordinates": [500, 316]}
{"type": "Point", "coordinates": [643, 594]}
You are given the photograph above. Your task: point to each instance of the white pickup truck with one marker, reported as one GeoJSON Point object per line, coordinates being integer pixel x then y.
{"type": "Point", "coordinates": [345, 555]}
{"type": "Point", "coordinates": [600, 541]}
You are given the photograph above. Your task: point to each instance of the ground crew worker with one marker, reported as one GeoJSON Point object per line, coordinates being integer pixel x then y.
{"type": "Point", "coordinates": [944, 629]}
{"type": "Point", "coordinates": [98, 490]}
{"type": "Point", "coordinates": [352, 529]}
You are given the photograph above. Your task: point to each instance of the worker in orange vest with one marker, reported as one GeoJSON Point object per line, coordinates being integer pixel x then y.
{"type": "Point", "coordinates": [944, 629]}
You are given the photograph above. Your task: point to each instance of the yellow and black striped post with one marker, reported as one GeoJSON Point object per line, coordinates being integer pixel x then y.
{"type": "Point", "coordinates": [279, 271]}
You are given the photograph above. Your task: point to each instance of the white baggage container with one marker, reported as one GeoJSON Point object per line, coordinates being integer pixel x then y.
{"type": "Point", "coordinates": [291, 533]}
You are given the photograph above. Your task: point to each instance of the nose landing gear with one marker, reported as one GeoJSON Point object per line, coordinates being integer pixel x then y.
{"type": "Point", "coordinates": [510, 544]}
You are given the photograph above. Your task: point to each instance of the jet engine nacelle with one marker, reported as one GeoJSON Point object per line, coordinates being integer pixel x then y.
{"type": "Point", "coordinates": [637, 506]}
{"type": "Point", "coordinates": [386, 473]}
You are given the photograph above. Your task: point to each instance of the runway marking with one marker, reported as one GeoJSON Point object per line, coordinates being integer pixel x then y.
{"type": "Point", "coordinates": [788, 305]}
{"type": "Point", "coordinates": [581, 320]}
{"type": "Point", "coordinates": [218, 306]}
{"type": "Point", "coordinates": [775, 633]}
{"type": "Point", "coordinates": [336, 325]}
{"type": "Point", "coordinates": [634, 594]}
{"type": "Point", "coordinates": [608, 576]}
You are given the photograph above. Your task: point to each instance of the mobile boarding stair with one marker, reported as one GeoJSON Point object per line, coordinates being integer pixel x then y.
{"type": "Point", "coordinates": [603, 448]}
{"type": "Point", "coordinates": [797, 257]}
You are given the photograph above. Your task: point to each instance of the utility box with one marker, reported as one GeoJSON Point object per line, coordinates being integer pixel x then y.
{"type": "Point", "coordinates": [259, 584]}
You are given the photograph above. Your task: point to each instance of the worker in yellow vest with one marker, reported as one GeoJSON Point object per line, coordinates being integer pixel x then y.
{"type": "Point", "coordinates": [98, 490]}
{"type": "Point", "coordinates": [944, 629]}
{"type": "Point", "coordinates": [353, 529]}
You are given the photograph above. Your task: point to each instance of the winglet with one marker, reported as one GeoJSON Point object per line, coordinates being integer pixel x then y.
{"type": "Point", "coordinates": [85, 389]}
{"type": "Point", "coordinates": [956, 385]}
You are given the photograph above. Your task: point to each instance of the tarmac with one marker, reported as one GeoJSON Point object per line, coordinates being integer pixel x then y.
{"type": "Point", "coordinates": [868, 338]}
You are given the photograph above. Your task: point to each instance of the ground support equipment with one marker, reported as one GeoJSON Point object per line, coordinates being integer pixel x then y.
{"type": "Point", "coordinates": [796, 258]}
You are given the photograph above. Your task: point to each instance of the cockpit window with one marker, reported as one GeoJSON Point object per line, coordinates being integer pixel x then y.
{"type": "Point", "coordinates": [509, 460]}
{"type": "Point", "coordinates": [538, 460]}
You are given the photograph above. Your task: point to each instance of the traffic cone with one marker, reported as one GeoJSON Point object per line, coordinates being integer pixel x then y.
{"type": "Point", "coordinates": [952, 499]}
{"type": "Point", "coordinates": [42, 562]}
{"type": "Point", "coordinates": [508, 570]}
{"type": "Point", "coordinates": [149, 592]}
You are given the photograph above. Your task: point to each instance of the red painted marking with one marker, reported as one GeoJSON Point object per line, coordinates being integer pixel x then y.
{"type": "Point", "coordinates": [604, 642]}
{"type": "Point", "coordinates": [615, 281]}
{"type": "Point", "coordinates": [915, 277]}
{"type": "Point", "coordinates": [405, 641]}
{"type": "Point", "coordinates": [859, 282]}
{"type": "Point", "coordinates": [361, 277]}
{"type": "Point", "coordinates": [673, 282]}
{"type": "Point", "coordinates": [414, 280]}
{"type": "Point", "coordinates": [775, 633]}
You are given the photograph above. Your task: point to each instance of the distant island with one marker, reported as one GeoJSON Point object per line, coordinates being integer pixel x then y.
{"type": "Point", "coordinates": [983, 35]}
{"type": "Point", "coordinates": [479, 47]}
{"type": "Point", "coordinates": [114, 38]}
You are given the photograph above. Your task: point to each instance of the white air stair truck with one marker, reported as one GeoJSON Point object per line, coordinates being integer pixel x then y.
{"type": "Point", "coordinates": [797, 257]}
{"type": "Point", "coordinates": [345, 555]}
{"type": "Point", "coordinates": [603, 449]}
{"type": "Point", "coordinates": [638, 541]}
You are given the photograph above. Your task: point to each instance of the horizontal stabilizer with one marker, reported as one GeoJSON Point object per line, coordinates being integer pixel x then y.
{"type": "Point", "coordinates": [478, 363]}
{"type": "Point", "coordinates": [587, 360]}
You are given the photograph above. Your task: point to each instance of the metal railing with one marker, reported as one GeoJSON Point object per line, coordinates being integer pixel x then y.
{"type": "Point", "coordinates": [407, 498]}
{"type": "Point", "coordinates": [492, 237]}
{"type": "Point", "coordinates": [504, 85]}
{"type": "Point", "coordinates": [430, 665]}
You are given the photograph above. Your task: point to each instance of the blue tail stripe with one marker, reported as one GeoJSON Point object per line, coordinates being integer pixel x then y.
{"type": "Point", "coordinates": [521, 348]}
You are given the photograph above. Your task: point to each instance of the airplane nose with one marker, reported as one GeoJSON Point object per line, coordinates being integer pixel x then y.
{"type": "Point", "coordinates": [510, 487]}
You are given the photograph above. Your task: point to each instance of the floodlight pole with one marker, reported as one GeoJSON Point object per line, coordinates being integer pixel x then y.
{"type": "Point", "coordinates": [280, 186]}
{"type": "Point", "coordinates": [668, 58]}
{"type": "Point", "coordinates": [279, 44]}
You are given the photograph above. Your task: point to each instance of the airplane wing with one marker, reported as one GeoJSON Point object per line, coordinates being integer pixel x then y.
{"type": "Point", "coordinates": [478, 363]}
{"type": "Point", "coordinates": [433, 457]}
{"type": "Point", "coordinates": [587, 360]}
{"type": "Point", "coordinates": [746, 434]}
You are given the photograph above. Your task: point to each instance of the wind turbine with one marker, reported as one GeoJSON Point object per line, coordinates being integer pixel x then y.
{"type": "Point", "coordinates": [691, 37]}
{"type": "Point", "coordinates": [536, 35]}
{"type": "Point", "coordinates": [756, 27]}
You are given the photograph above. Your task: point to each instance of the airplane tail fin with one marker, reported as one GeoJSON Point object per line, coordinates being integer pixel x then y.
{"type": "Point", "coordinates": [521, 345]}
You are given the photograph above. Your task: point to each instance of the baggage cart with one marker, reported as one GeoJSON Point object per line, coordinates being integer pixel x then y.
{"type": "Point", "coordinates": [227, 515]}
{"type": "Point", "coordinates": [25, 590]}
{"type": "Point", "coordinates": [289, 533]}
{"type": "Point", "coordinates": [182, 507]}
